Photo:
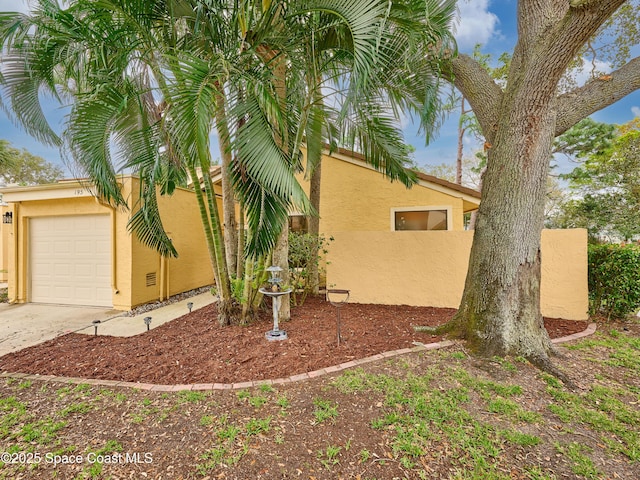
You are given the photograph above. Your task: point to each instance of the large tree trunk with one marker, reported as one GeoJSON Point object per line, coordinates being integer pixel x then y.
{"type": "Point", "coordinates": [461, 130]}
{"type": "Point", "coordinates": [500, 309]}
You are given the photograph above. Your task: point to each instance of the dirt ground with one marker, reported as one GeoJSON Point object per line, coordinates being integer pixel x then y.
{"type": "Point", "coordinates": [194, 349]}
{"type": "Point", "coordinates": [442, 414]}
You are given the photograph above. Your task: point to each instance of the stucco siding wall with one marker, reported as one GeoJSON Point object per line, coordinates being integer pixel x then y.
{"type": "Point", "coordinates": [181, 217]}
{"type": "Point", "coordinates": [181, 220]}
{"type": "Point", "coordinates": [429, 269]}
{"type": "Point", "coordinates": [20, 234]}
{"type": "Point", "coordinates": [4, 247]}
{"type": "Point", "coordinates": [131, 261]}
{"type": "Point", "coordinates": [356, 198]}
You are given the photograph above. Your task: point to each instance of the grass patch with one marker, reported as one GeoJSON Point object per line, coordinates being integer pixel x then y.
{"type": "Point", "coordinates": [582, 465]}
{"type": "Point", "coordinates": [188, 396]}
{"type": "Point", "coordinates": [607, 410]}
{"type": "Point", "coordinates": [80, 408]}
{"type": "Point", "coordinates": [329, 456]}
{"type": "Point", "coordinates": [325, 410]}
{"type": "Point", "coordinates": [231, 441]}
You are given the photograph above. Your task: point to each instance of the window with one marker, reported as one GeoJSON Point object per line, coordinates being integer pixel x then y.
{"type": "Point", "coordinates": [298, 223]}
{"type": "Point", "coordinates": [420, 219]}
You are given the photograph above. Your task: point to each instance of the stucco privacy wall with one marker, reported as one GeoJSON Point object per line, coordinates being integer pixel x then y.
{"type": "Point", "coordinates": [429, 269]}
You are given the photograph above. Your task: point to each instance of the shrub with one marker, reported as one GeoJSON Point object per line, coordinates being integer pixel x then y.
{"type": "Point", "coordinates": [614, 280]}
{"type": "Point", "coordinates": [303, 248]}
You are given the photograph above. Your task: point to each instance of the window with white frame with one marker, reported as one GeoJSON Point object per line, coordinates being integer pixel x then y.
{"type": "Point", "coordinates": [420, 218]}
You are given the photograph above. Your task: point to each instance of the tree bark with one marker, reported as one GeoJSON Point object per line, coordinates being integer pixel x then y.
{"type": "Point", "coordinates": [280, 255]}
{"type": "Point", "coordinates": [280, 258]}
{"type": "Point", "coordinates": [461, 130]}
{"type": "Point", "coordinates": [314, 225]}
{"type": "Point", "coordinates": [228, 200]}
{"type": "Point", "coordinates": [500, 309]}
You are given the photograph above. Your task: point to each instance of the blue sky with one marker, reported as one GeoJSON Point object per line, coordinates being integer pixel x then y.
{"type": "Point", "coordinates": [490, 23]}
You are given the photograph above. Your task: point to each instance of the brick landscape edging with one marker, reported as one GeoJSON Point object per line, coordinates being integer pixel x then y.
{"type": "Point", "coordinates": [590, 330]}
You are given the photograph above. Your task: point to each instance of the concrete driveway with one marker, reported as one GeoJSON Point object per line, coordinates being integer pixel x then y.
{"type": "Point", "coordinates": [29, 324]}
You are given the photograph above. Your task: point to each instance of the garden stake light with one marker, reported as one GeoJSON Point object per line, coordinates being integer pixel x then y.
{"type": "Point", "coordinates": [147, 322]}
{"type": "Point", "coordinates": [95, 326]}
{"type": "Point", "coordinates": [337, 298]}
{"type": "Point", "coordinates": [190, 306]}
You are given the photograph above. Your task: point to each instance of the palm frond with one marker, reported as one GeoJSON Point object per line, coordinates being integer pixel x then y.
{"type": "Point", "coordinates": [89, 139]}
{"type": "Point", "coordinates": [263, 177]}
{"type": "Point", "coordinates": [147, 223]}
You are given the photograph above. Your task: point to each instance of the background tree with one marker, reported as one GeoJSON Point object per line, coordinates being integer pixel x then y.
{"type": "Point", "coordinates": [24, 168]}
{"type": "Point", "coordinates": [500, 309]}
{"type": "Point", "coordinates": [585, 138]}
{"type": "Point", "coordinates": [606, 190]}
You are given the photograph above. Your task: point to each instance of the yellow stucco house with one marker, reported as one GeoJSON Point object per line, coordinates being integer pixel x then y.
{"type": "Point", "coordinates": [392, 245]}
{"type": "Point", "coordinates": [356, 197]}
{"type": "Point", "coordinates": [397, 246]}
{"type": "Point", "coordinates": [63, 246]}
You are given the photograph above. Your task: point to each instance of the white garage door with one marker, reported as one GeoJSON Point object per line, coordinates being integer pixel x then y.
{"type": "Point", "coordinates": [71, 260]}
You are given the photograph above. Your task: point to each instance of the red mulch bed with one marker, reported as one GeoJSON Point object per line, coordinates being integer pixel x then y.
{"type": "Point", "coordinates": [194, 349]}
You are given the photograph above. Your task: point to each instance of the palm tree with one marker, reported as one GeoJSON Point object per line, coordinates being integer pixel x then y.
{"type": "Point", "coordinates": [342, 112]}
{"type": "Point", "coordinates": [151, 79]}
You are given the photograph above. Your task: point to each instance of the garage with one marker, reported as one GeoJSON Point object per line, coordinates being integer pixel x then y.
{"type": "Point", "coordinates": [70, 260]}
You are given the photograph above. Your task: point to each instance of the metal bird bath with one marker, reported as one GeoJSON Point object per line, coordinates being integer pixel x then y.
{"type": "Point", "coordinates": [276, 293]}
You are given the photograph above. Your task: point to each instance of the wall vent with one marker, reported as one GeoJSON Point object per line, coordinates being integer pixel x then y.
{"type": "Point", "coordinates": [151, 279]}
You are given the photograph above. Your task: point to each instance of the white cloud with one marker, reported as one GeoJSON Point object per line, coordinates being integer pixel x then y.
{"type": "Point", "coordinates": [583, 74]}
{"type": "Point", "coordinates": [477, 24]}
{"type": "Point", "coordinates": [14, 6]}
{"type": "Point", "coordinates": [636, 111]}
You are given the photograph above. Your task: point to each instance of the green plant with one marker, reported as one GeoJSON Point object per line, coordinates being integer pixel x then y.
{"type": "Point", "coordinates": [242, 394]}
{"type": "Point", "coordinates": [282, 402]}
{"type": "Point", "coordinates": [582, 465]}
{"type": "Point", "coordinates": [614, 280]}
{"type": "Point", "coordinates": [207, 420]}
{"type": "Point", "coordinates": [364, 455]}
{"type": "Point", "coordinates": [81, 407]}
{"type": "Point", "coordinates": [266, 388]}
{"type": "Point", "coordinates": [255, 426]}
{"type": "Point", "coordinates": [329, 456]}
{"type": "Point", "coordinates": [303, 252]}
{"type": "Point", "coordinates": [324, 410]}
{"type": "Point", "coordinates": [193, 397]}
{"type": "Point", "coordinates": [257, 401]}
{"type": "Point", "coordinates": [82, 388]}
